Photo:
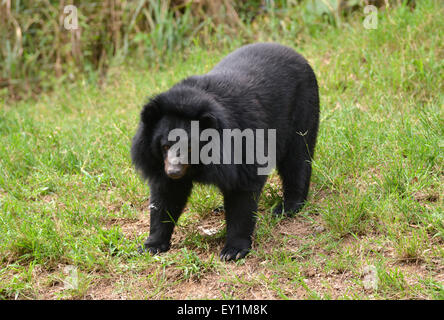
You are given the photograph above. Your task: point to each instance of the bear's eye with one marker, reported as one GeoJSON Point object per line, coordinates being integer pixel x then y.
{"type": "Point", "coordinates": [165, 147]}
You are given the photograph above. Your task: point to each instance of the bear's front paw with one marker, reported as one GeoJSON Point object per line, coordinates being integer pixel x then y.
{"type": "Point", "coordinates": [233, 253]}
{"type": "Point", "coordinates": [289, 209]}
{"type": "Point", "coordinates": [153, 248]}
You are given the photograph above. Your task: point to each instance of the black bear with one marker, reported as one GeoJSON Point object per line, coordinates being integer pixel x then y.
{"type": "Point", "coordinates": [262, 86]}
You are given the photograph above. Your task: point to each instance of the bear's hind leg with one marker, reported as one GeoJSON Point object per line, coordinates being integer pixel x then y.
{"type": "Point", "coordinates": [295, 172]}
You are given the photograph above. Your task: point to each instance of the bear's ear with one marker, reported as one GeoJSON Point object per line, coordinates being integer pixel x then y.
{"type": "Point", "coordinates": [208, 120]}
{"type": "Point", "coordinates": [150, 113]}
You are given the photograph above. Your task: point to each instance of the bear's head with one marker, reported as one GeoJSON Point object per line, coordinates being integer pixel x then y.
{"type": "Point", "coordinates": [168, 138]}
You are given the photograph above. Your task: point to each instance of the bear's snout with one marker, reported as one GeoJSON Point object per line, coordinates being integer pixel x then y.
{"type": "Point", "coordinates": [174, 168]}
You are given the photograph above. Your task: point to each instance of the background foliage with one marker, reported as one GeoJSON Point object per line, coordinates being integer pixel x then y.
{"type": "Point", "coordinates": [37, 52]}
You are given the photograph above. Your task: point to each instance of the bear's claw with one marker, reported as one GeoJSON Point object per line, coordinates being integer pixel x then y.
{"type": "Point", "coordinates": [231, 253]}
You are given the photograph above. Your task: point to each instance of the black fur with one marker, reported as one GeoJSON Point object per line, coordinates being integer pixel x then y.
{"type": "Point", "coordinates": [262, 85]}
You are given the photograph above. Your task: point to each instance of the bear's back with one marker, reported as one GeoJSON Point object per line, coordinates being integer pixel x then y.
{"type": "Point", "coordinates": [262, 60]}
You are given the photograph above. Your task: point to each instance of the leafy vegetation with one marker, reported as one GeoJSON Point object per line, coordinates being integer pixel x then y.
{"type": "Point", "coordinates": [46, 42]}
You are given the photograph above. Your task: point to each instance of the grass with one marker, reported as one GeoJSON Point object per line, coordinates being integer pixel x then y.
{"type": "Point", "coordinates": [69, 196]}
